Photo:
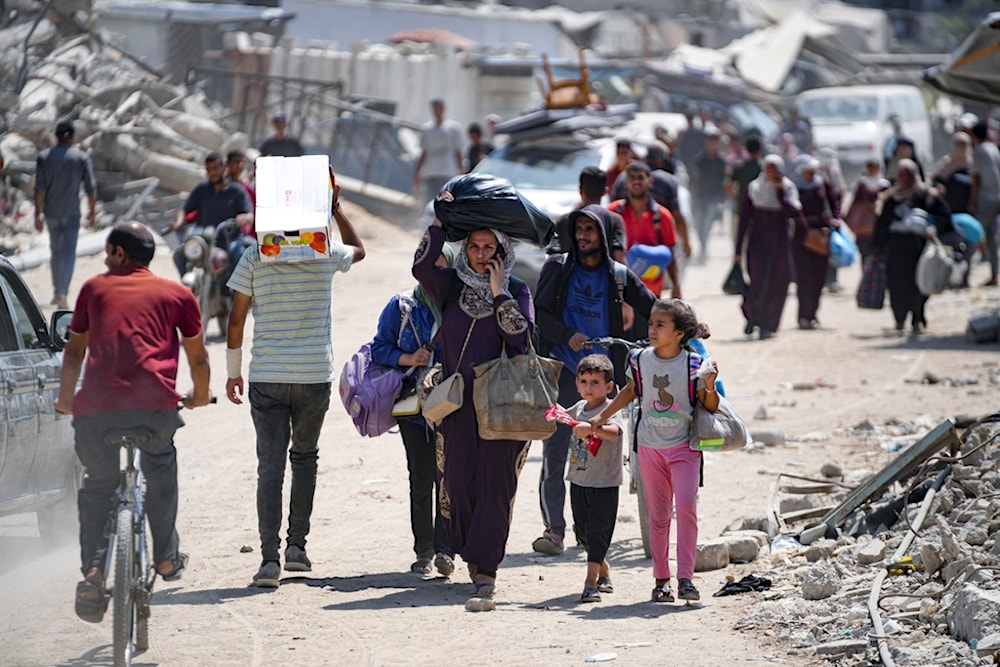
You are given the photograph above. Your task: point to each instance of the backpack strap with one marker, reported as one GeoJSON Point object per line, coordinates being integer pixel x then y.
{"type": "Point", "coordinates": [621, 275]}
{"type": "Point", "coordinates": [621, 204]}
{"type": "Point", "coordinates": [633, 362]}
{"type": "Point", "coordinates": [694, 364]}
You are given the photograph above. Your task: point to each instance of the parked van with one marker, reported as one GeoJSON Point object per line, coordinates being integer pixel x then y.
{"type": "Point", "coordinates": [855, 120]}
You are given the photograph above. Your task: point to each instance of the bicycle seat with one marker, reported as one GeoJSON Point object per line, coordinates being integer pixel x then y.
{"type": "Point", "coordinates": [136, 435]}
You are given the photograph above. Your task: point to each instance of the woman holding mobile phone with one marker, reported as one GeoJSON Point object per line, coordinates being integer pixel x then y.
{"type": "Point", "coordinates": [483, 308]}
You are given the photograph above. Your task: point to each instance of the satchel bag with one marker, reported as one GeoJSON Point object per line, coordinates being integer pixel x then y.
{"type": "Point", "coordinates": [511, 395]}
{"type": "Point", "coordinates": [871, 289]}
{"type": "Point", "coordinates": [718, 431]}
{"type": "Point", "coordinates": [447, 396]}
{"type": "Point", "coordinates": [817, 241]}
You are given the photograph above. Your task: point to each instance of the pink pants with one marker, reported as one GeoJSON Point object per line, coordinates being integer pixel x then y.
{"type": "Point", "coordinates": [670, 475]}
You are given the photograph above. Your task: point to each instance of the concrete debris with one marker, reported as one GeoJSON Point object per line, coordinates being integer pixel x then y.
{"type": "Point", "coordinates": [831, 469]}
{"type": "Point", "coordinates": [945, 609]}
{"type": "Point", "coordinates": [134, 123]}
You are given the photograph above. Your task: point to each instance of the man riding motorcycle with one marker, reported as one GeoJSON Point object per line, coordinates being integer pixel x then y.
{"type": "Point", "coordinates": [214, 201]}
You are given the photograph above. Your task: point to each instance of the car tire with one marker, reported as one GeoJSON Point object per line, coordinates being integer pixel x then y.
{"type": "Point", "coordinates": [59, 523]}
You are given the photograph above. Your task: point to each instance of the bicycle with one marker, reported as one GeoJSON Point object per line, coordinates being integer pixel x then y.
{"type": "Point", "coordinates": [127, 550]}
{"type": "Point", "coordinates": [632, 458]}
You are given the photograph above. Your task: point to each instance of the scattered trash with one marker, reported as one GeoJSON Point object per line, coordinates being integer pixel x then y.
{"type": "Point", "coordinates": [749, 583]}
{"type": "Point", "coordinates": [634, 645]}
{"type": "Point", "coordinates": [784, 544]}
{"type": "Point", "coordinates": [602, 657]}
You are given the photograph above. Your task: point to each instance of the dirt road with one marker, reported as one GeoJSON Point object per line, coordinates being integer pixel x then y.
{"type": "Point", "coordinates": [360, 605]}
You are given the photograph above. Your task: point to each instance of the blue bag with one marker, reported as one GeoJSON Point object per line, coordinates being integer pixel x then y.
{"type": "Point", "coordinates": [971, 228]}
{"type": "Point", "coordinates": [842, 251]}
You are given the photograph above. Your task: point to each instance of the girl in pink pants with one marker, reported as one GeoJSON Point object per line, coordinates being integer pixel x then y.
{"type": "Point", "coordinates": [663, 377]}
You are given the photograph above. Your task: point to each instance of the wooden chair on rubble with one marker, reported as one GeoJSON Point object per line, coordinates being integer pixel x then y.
{"type": "Point", "coordinates": [566, 93]}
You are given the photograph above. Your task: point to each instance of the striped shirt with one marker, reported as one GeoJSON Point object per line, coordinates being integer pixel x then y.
{"type": "Point", "coordinates": [291, 310]}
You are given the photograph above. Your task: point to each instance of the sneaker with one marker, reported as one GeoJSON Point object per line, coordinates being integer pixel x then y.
{"type": "Point", "coordinates": [590, 595]}
{"type": "Point", "coordinates": [296, 560]}
{"type": "Point", "coordinates": [686, 590]}
{"type": "Point", "coordinates": [604, 585]}
{"type": "Point", "coordinates": [267, 576]}
{"type": "Point", "coordinates": [444, 564]}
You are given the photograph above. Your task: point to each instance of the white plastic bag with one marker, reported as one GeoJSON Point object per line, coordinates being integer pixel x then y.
{"type": "Point", "coordinates": [934, 268]}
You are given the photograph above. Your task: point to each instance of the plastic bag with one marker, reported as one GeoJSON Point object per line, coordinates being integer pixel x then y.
{"type": "Point", "coordinates": [735, 282]}
{"type": "Point", "coordinates": [475, 201]}
{"type": "Point", "coordinates": [843, 252]}
{"type": "Point", "coordinates": [934, 268]}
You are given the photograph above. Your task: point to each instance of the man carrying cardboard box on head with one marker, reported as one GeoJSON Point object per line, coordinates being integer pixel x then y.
{"type": "Point", "coordinates": [291, 370]}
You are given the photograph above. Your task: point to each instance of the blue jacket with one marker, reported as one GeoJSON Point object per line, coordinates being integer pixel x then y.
{"type": "Point", "coordinates": [390, 343]}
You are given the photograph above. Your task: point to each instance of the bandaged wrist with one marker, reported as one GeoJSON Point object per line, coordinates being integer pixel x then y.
{"type": "Point", "coordinates": [234, 362]}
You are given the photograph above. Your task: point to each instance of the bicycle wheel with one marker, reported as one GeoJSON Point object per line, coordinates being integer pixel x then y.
{"type": "Point", "coordinates": [124, 602]}
{"type": "Point", "coordinates": [643, 517]}
{"type": "Point", "coordinates": [143, 587]}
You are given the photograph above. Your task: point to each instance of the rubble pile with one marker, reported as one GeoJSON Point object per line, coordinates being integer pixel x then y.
{"type": "Point", "coordinates": [937, 603]}
{"type": "Point", "coordinates": [146, 136]}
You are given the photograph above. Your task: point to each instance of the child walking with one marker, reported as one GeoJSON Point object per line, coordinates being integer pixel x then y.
{"type": "Point", "coordinates": [595, 471]}
{"type": "Point", "coordinates": [661, 376]}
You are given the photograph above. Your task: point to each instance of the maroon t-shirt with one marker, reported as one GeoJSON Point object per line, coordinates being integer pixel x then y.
{"type": "Point", "coordinates": [132, 318]}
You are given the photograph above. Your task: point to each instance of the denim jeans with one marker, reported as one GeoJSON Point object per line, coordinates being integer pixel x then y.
{"type": "Point", "coordinates": [63, 233]}
{"type": "Point", "coordinates": [285, 413]}
{"type": "Point", "coordinates": [102, 462]}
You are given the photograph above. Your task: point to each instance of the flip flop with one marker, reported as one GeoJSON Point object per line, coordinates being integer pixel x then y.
{"type": "Point", "coordinates": [91, 602]}
{"type": "Point", "coordinates": [421, 566]}
{"type": "Point", "coordinates": [179, 566]}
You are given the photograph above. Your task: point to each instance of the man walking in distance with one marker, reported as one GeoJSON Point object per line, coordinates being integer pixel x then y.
{"type": "Point", "coordinates": [291, 372]}
{"type": "Point", "coordinates": [648, 223]}
{"type": "Point", "coordinates": [580, 296]}
{"type": "Point", "coordinates": [984, 202]}
{"type": "Point", "coordinates": [440, 154]}
{"type": "Point", "coordinates": [60, 171]}
{"type": "Point", "coordinates": [280, 144]}
{"type": "Point", "coordinates": [126, 325]}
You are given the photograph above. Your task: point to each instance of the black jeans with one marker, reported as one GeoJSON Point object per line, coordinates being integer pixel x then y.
{"type": "Point", "coordinates": [430, 532]}
{"type": "Point", "coordinates": [286, 413]}
{"type": "Point", "coordinates": [103, 466]}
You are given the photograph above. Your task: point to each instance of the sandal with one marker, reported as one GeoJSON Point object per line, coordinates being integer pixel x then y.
{"type": "Point", "coordinates": [421, 566]}
{"type": "Point", "coordinates": [444, 564]}
{"type": "Point", "coordinates": [604, 585]}
{"type": "Point", "coordinates": [662, 593]}
{"type": "Point", "coordinates": [179, 566]}
{"type": "Point", "coordinates": [91, 601]}
{"type": "Point", "coordinates": [590, 595]}
{"type": "Point", "coordinates": [687, 591]}
{"type": "Point", "coordinates": [482, 597]}
{"type": "Point", "coordinates": [549, 544]}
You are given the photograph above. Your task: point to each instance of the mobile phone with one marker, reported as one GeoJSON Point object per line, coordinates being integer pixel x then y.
{"type": "Point", "coordinates": [501, 253]}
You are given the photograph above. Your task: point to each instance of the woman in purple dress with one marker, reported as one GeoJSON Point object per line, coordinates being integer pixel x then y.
{"type": "Point", "coordinates": [482, 307]}
{"type": "Point", "coordinates": [770, 202]}
{"type": "Point", "coordinates": [811, 268]}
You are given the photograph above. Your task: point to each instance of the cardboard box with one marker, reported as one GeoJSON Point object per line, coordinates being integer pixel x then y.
{"type": "Point", "coordinates": [292, 217]}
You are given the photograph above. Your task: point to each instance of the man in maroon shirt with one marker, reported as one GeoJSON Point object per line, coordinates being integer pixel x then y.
{"type": "Point", "coordinates": [126, 325]}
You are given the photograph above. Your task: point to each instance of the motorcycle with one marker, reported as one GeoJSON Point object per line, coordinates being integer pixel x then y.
{"type": "Point", "coordinates": [208, 265]}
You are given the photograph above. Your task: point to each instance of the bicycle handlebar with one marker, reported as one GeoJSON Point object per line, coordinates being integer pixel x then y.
{"type": "Point", "coordinates": [611, 341]}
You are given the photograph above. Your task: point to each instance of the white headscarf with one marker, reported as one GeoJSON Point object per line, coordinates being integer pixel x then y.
{"type": "Point", "coordinates": [764, 194]}
{"type": "Point", "coordinates": [904, 194]}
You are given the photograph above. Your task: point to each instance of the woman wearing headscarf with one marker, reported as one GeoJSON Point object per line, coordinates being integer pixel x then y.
{"type": "Point", "coordinates": [861, 216]}
{"type": "Point", "coordinates": [810, 268]}
{"type": "Point", "coordinates": [905, 149]}
{"type": "Point", "coordinates": [406, 330]}
{"type": "Point", "coordinates": [909, 211]}
{"type": "Point", "coordinates": [952, 174]}
{"type": "Point", "coordinates": [836, 187]}
{"type": "Point", "coordinates": [770, 202]}
{"type": "Point", "coordinates": [483, 307]}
